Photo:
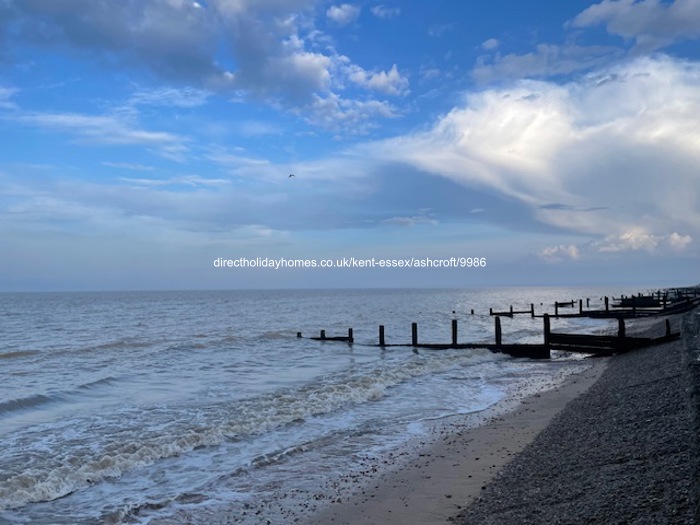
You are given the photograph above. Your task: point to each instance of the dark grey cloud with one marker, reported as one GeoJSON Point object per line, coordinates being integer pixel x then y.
{"type": "Point", "coordinates": [262, 49]}
{"type": "Point", "coordinates": [568, 207]}
{"type": "Point", "coordinates": [173, 39]}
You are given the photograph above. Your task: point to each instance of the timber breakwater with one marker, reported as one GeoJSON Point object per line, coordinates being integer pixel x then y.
{"type": "Point", "coordinates": [661, 304]}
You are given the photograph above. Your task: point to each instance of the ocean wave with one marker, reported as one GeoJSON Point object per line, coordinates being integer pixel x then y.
{"type": "Point", "coordinates": [18, 353]}
{"type": "Point", "coordinates": [84, 467]}
{"type": "Point", "coordinates": [40, 400]}
{"type": "Point", "coordinates": [25, 403]}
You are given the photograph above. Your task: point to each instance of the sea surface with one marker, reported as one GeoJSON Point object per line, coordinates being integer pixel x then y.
{"type": "Point", "coordinates": [156, 407]}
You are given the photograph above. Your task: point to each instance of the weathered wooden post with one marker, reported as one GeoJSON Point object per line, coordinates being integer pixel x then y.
{"type": "Point", "coordinates": [607, 306]}
{"type": "Point", "coordinates": [454, 332]}
{"type": "Point", "coordinates": [490, 311]}
{"type": "Point", "coordinates": [472, 311]}
{"type": "Point", "coordinates": [511, 310]}
{"type": "Point", "coordinates": [532, 310]}
{"type": "Point", "coordinates": [350, 337]}
{"type": "Point", "coordinates": [323, 334]}
{"type": "Point", "coordinates": [298, 335]}
{"type": "Point", "coordinates": [668, 328]}
{"type": "Point", "coordinates": [621, 328]}
{"type": "Point", "coordinates": [498, 331]}
{"type": "Point", "coordinates": [414, 334]}
{"type": "Point", "coordinates": [588, 302]}
{"type": "Point", "coordinates": [580, 306]}
{"type": "Point", "coordinates": [381, 335]}
{"type": "Point", "coordinates": [547, 329]}
{"type": "Point", "coordinates": [556, 308]}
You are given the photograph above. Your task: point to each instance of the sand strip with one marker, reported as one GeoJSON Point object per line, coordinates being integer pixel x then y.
{"type": "Point", "coordinates": [440, 480]}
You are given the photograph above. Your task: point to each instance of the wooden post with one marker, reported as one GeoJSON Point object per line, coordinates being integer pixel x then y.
{"type": "Point", "coordinates": [511, 310]}
{"type": "Point", "coordinates": [381, 335]}
{"type": "Point", "coordinates": [299, 335]}
{"type": "Point", "coordinates": [668, 328]}
{"type": "Point", "coordinates": [454, 332]}
{"type": "Point", "coordinates": [472, 311]}
{"type": "Point", "coordinates": [547, 330]}
{"type": "Point", "coordinates": [323, 334]}
{"type": "Point", "coordinates": [580, 306]}
{"type": "Point", "coordinates": [588, 302]}
{"type": "Point", "coordinates": [498, 331]}
{"type": "Point", "coordinates": [350, 337]}
{"type": "Point", "coordinates": [414, 334]}
{"type": "Point", "coordinates": [490, 311]}
{"type": "Point", "coordinates": [620, 327]}
{"type": "Point", "coordinates": [606, 303]}
{"type": "Point", "coordinates": [556, 309]}
{"type": "Point", "coordinates": [532, 310]}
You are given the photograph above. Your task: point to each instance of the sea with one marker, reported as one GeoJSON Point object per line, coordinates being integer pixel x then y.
{"type": "Point", "coordinates": [194, 407]}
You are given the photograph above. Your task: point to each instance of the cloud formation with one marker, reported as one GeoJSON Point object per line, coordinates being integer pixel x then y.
{"type": "Point", "coordinates": [108, 129]}
{"type": "Point", "coordinates": [651, 24]}
{"type": "Point", "coordinates": [390, 82]}
{"type": "Point", "coordinates": [343, 14]}
{"type": "Point", "coordinates": [616, 150]}
{"type": "Point", "coordinates": [265, 50]}
{"type": "Point", "coordinates": [381, 11]}
{"type": "Point", "coordinates": [546, 60]}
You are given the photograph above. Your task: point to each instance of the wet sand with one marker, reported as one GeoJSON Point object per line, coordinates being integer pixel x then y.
{"type": "Point", "coordinates": [438, 481]}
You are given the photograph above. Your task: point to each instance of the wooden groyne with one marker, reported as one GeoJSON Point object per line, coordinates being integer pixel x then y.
{"type": "Point", "coordinates": [600, 345]}
{"type": "Point", "coordinates": [670, 302]}
{"type": "Point", "coordinates": [322, 337]}
{"type": "Point", "coordinates": [658, 303]}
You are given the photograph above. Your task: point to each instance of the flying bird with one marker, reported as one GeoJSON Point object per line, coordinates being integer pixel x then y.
{"type": "Point", "coordinates": [291, 175]}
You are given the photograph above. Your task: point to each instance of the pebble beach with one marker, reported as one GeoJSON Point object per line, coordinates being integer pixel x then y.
{"type": "Point", "coordinates": [637, 427]}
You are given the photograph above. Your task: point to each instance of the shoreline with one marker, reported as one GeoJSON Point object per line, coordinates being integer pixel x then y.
{"type": "Point", "coordinates": [440, 479]}
{"type": "Point", "coordinates": [637, 428]}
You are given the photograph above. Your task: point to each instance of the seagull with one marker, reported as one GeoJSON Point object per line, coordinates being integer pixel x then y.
{"type": "Point", "coordinates": [291, 175]}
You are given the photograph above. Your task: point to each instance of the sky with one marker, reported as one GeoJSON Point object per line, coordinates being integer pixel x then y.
{"type": "Point", "coordinates": [557, 143]}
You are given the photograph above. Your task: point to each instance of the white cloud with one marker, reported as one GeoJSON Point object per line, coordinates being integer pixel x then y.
{"type": "Point", "coordinates": [176, 97]}
{"type": "Point", "coordinates": [604, 155]}
{"type": "Point", "coordinates": [110, 130]}
{"type": "Point", "coordinates": [381, 11]}
{"type": "Point", "coordinates": [546, 60]}
{"type": "Point", "coordinates": [343, 14]}
{"type": "Point", "coordinates": [438, 31]}
{"type": "Point", "coordinates": [236, 161]}
{"type": "Point", "coordinates": [490, 44]}
{"type": "Point", "coordinates": [184, 180]}
{"type": "Point", "coordinates": [679, 242]}
{"type": "Point", "coordinates": [637, 239]}
{"type": "Point", "coordinates": [6, 95]}
{"type": "Point", "coordinates": [428, 73]}
{"type": "Point", "coordinates": [128, 166]}
{"type": "Point", "coordinates": [414, 220]}
{"type": "Point", "coordinates": [652, 24]}
{"type": "Point", "coordinates": [560, 253]}
{"type": "Point", "coordinates": [348, 115]}
{"type": "Point", "coordinates": [390, 82]}
{"type": "Point", "coordinates": [300, 73]}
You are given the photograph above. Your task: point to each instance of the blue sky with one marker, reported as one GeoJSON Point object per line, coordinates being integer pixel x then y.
{"type": "Point", "coordinates": [141, 140]}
